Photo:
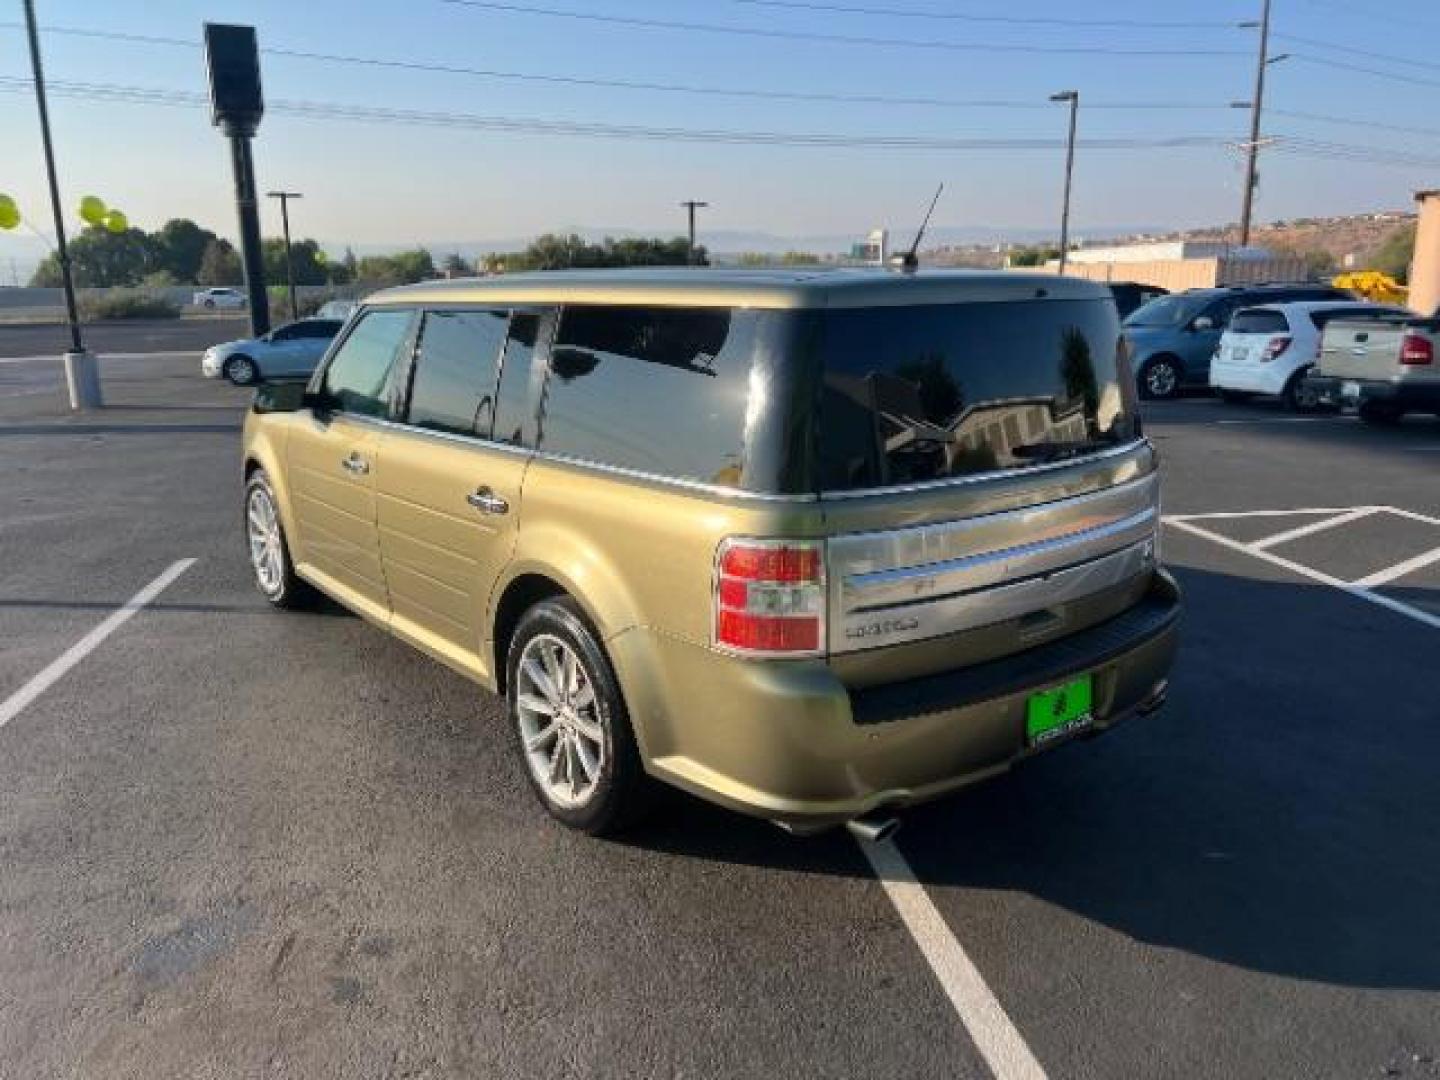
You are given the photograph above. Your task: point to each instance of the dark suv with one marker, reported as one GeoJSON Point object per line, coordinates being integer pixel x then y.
{"type": "Point", "coordinates": [1172, 338]}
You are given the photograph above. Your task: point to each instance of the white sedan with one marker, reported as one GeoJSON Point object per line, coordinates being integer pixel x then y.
{"type": "Point", "coordinates": [1268, 349]}
{"type": "Point", "coordinates": [219, 297]}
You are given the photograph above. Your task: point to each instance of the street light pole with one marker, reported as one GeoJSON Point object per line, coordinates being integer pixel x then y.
{"type": "Point", "coordinates": [1073, 97]}
{"type": "Point", "coordinates": [691, 205]}
{"type": "Point", "coordinates": [285, 197]}
{"type": "Point", "coordinates": [82, 378]}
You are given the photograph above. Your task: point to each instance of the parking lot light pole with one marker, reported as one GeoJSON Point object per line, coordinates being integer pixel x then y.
{"type": "Point", "coordinates": [691, 205]}
{"type": "Point", "coordinates": [1073, 97]}
{"type": "Point", "coordinates": [285, 197]}
{"type": "Point", "coordinates": [82, 376]}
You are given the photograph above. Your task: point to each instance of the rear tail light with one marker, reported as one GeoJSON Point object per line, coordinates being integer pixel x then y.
{"type": "Point", "coordinates": [1416, 349]}
{"type": "Point", "coordinates": [770, 597]}
{"type": "Point", "coordinates": [1275, 348]}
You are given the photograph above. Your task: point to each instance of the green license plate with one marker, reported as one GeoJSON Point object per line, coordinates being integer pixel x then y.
{"type": "Point", "coordinates": [1053, 713]}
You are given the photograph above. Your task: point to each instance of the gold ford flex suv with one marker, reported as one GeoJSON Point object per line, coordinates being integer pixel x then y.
{"type": "Point", "coordinates": [809, 544]}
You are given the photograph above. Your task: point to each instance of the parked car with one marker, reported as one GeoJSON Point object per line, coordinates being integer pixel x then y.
{"type": "Point", "coordinates": [1270, 349]}
{"type": "Point", "coordinates": [287, 352]}
{"type": "Point", "coordinates": [1386, 367]}
{"type": "Point", "coordinates": [1173, 338]}
{"type": "Point", "coordinates": [809, 544]}
{"type": "Point", "coordinates": [219, 298]}
{"type": "Point", "coordinates": [1130, 296]}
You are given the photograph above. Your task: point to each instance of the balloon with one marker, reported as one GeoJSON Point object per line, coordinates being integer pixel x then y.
{"type": "Point", "coordinates": [116, 222]}
{"type": "Point", "coordinates": [9, 213]}
{"type": "Point", "coordinates": [92, 210]}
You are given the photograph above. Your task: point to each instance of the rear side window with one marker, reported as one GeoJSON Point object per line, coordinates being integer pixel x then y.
{"type": "Point", "coordinates": [915, 394]}
{"type": "Point", "coordinates": [457, 363]}
{"type": "Point", "coordinates": [357, 380]}
{"type": "Point", "coordinates": [1258, 321]}
{"type": "Point", "coordinates": [659, 390]}
{"type": "Point", "coordinates": [515, 400]}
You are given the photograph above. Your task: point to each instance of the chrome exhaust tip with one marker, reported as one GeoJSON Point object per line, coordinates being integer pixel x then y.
{"type": "Point", "coordinates": [873, 828]}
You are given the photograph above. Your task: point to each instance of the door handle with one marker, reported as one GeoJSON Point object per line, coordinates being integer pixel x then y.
{"type": "Point", "coordinates": [487, 502]}
{"type": "Point", "coordinates": [355, 464]}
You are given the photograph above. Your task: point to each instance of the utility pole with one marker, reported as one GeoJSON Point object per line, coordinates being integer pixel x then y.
{"type": "Point", "coordinates": [1256, 104]}
{"type": "Point", "coordinates": [82, 377]}
{"type": "Point", "coordinates": [285, 197]}
{"type": "Point", "coordinates": [1073, 97]}
{"type": "Point", "coordinates": [691, 205]}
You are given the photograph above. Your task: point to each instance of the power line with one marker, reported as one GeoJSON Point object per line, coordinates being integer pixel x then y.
{"type": "Point", "coordinates": [536, 125]}
{"type": "Point", "coordinates": [1010, 20]}
{"type": "Point", "coordinates": [1353, 121]}
{"type": "Point", "coordinates": [836, 39]}
{"type": "Point", "coordinates": [1342, 65]}
{"type": "Point", "coordinates": [1426, 65]}
{"type": "Point", "coordinates": [625, 84]}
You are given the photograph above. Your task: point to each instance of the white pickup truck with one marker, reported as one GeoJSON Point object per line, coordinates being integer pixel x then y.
{"type": "Point", "coordinates": [1386, 367]}
{"type": "Point", "coordinates": [218, 297]}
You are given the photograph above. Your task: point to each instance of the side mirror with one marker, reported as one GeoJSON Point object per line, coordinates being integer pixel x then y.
{"type": "Point", "coordinates": [280, 397]}
{"type": "Point", "coordinates": [1202, 322]}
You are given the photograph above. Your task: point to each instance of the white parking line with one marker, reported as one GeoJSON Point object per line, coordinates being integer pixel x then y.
{"type": "Point", "coordinates": [1399, 570]}
{"type": "Point", "coordinates": [56, 357]}
{"type": "Point", "coordinates": [56, 669]}
{"type": "Point", "coordinates": [1315, 526]}
{"type": "Point", "coordinates": [1356, 589]}
{"type": "Point", "coordinates": [997, 1039]}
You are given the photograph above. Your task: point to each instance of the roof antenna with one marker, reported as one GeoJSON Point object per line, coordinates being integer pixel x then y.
{"type": "Point", "coordinates": [908, 262]}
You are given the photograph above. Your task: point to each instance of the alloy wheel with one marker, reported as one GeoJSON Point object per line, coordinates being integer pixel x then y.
{"type": "Point", "coordinates": [262, 530]}
{"type": "Point", "coordinates": [561, 728]}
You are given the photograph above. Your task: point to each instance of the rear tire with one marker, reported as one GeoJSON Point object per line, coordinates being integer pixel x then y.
{"type": "Point", "coordinates": [1160, 379]}
{"type": "Point", "coordinates": [1296, 397]}
{"type": "Point", "coordinates": [1372, 412]}
{"type": "Point", "coordinates": [572, 730]}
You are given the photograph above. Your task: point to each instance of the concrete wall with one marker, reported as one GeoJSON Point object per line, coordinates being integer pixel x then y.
{"type": "Point", "coordinates": [1425, 269]}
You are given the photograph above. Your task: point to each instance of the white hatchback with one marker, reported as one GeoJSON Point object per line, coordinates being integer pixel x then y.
{"type": "Point", "coordinates": [1268, 349]}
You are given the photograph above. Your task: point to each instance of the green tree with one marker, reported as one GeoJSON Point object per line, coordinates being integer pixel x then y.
{"type": "Point", "coordinates": [455, 266]}
{"type": "Point", "coordinates": [305, 254]}
{"type": "Point", "coordinates": [219, 265]}
{"type": "Point", "coordinates": [1395, 253]}
{"type": "Point", "coordinates": [554, 251]}
{"type": "Point", "coordinates": [180, 247]}
{"type": "Point", "coordinates": [401, 268]}
{"type": "Point", "coordinates": [1033, 256]}
{"type": "Point", "coordinates": [102, 259]}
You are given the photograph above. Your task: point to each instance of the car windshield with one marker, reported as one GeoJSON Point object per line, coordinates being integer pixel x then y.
{"type": "Point", "coordinates": [1167, 311]}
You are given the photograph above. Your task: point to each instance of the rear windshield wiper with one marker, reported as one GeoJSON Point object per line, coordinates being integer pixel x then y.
{"type": "Point", "coordinates": [1058, 451]}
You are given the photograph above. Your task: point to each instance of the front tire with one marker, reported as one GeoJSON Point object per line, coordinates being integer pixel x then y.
{"type": "Point", "coordinates": [1297, 397]}
{"type": "Point", "coordinates": [572, 730]}
{"type": "Point", "coordinates": [241, 371]}
{"type": "Point", "coordinates": [269, 552]}
{"type": "Point", "coordinates": [1160, 379]}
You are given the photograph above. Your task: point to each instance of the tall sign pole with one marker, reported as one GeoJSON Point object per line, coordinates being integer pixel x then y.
{"type": "Point", "coordinates": [82, 377]}
{"type": "Point", "coordinates": [236, 105]}
{"type": "Point", "coordinates": [1257, 103]}
{"type": "Point", "coordinates": [1073, 97]}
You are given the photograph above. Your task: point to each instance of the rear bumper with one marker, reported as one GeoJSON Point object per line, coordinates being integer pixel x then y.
{"type": "Point", "coordinates": [1420, 396]}
{"type": "Point", "coordinates": [788, 741]}
{"type": "Point", "coordinates": [1248, 378]}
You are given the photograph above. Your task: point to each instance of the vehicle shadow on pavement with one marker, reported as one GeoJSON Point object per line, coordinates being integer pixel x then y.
{"type": "Point", "coordinates": [1280, 814]}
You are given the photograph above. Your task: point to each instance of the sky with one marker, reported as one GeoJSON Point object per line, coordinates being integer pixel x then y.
{"type": "Point", "coordinates": [376, 184]}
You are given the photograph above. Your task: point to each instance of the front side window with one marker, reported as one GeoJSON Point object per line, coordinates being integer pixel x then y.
{"type": "Point", "coordinates": [357, 380]}
{"type": "Point", "coordinates": [453, 385]}
{"type": "Point", "coordinates": [317, 328]}
{"type": "Point", "coordinates": [655, 389]}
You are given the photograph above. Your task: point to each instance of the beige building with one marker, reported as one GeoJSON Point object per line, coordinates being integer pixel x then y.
{"type": "Point", "coordinates": [1425, 268]}
{"type": "Point", "coordinates": [1183, 264]}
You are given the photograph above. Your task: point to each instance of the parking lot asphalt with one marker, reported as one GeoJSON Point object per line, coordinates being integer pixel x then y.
{"type": "Point", "coordinates": [234, 842]}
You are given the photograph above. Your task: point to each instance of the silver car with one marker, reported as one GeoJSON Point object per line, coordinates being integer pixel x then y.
{"type": "Point", "coordinates": [288, 352]}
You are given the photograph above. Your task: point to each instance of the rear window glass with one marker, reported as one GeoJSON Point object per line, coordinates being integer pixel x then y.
{"type": "Point", "coordinates": [1257, 321]}
{"type": "Point", "coordinates": [913, 394]}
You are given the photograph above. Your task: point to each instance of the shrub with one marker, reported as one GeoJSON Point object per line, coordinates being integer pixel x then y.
{"type": "Point", "coordinates": [128, 305]}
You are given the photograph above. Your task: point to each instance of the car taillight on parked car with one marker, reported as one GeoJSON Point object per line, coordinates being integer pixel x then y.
{"type": "Point", "coordinates": [1416, 349]}
{"type": "Point", "coordinates": [1276, 347]}
{"type": "Point", "coordinates": [770, 597]}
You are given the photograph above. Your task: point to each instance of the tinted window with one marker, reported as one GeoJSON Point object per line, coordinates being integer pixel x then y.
{"type": "Point", "coordinates": [1167, 311]}
{"type": "Point", "coordinates": [357, 379]}
{"type": "Point", "coordinates": [515, 402]}
{"type": "Point", "coordinates": [453, 386]}
{"type": "Point", "coordinates": [1258, 321]}
{"type": "Point", "coordinates": [317, 328]}
{"type": "Point", "coordinates": [661, 390]}
{"type": "Point", "coordinates": [912, 394]}
{"type": "Point", "coordinates": [285, 333]}
{"type": "Point", "coordinates": [1324, 315]}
